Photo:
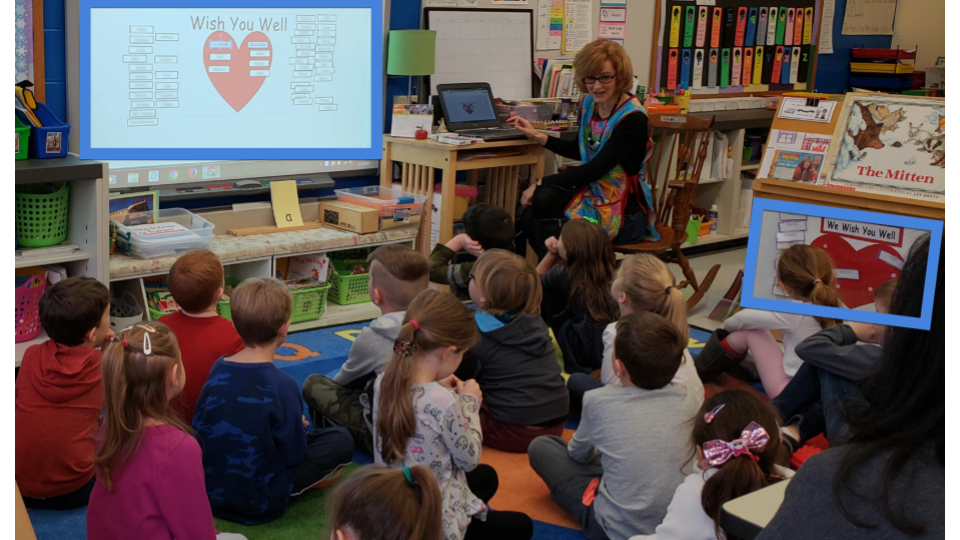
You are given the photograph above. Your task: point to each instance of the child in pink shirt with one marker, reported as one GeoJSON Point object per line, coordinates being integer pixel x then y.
{"type": "Point", "coordinates": [150, 482]}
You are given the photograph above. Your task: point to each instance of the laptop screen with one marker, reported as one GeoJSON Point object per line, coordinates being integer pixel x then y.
{"type": "Point", "coordinates": [468, 105]}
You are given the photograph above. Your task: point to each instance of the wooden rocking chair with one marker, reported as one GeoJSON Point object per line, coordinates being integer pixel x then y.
{"type": "Point", "coordinates": [673, 173]}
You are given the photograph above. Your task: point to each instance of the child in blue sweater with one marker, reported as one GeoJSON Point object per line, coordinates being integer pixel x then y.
{"type": "Point", "coordinates": [256, 449]}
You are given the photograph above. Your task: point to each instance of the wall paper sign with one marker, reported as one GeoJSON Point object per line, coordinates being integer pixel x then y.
{"type": "Point", "coordinates": [613, 14]}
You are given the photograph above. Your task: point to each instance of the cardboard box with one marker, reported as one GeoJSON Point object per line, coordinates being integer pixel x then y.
{"type": "Point", "coordinates": [350, 217]}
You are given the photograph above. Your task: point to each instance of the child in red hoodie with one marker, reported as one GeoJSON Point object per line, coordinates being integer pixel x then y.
{"type": "Point", "coordinates": [196, 283]}
{"type": "Point", "coordinates": [59, 395]}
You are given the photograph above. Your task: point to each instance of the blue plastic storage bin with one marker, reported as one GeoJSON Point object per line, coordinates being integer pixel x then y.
{"type": "Point", "coordinates": [51, 140]}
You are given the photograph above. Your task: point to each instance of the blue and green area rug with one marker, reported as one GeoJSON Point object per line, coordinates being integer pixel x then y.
{"type": "Point", "coordinates": [324, 351]}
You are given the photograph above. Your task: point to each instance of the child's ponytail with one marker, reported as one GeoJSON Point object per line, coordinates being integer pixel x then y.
{"type": "Point", "coordinates": [378, 503]}
{"type": "Point", "coordinates": [396, 422]}
{"type": "Point", "coordinates": [808, 271]}
{"type": "Point", "coordinates": [434, 320]}
{"type": "Point", "coordinates": [736, 478]}
{"type": "Point", "coordinates": [134, 369]}
{"type": "Point", "coordinates": [736, 416]}
{"type": "Point", "coordinates": [431, 503]}
{"type": "Point", "coordinates": [651, 287]}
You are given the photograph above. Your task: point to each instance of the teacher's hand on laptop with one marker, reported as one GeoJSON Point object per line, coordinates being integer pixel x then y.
{"type": "Point", "coordinates": [469, 111]}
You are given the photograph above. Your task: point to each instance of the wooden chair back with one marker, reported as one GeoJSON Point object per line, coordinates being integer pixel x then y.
{"type": "Point", "coordinates": [673, 170]}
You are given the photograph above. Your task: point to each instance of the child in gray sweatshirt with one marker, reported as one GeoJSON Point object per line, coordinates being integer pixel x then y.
{"type": "Point", "coordinates": [397, 275]}
{"type": "Point", "coordinates": [632, 449]}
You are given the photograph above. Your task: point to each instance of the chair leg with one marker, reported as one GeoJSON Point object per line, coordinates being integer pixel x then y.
{"type": "Point", "coordinates": [699, 289]}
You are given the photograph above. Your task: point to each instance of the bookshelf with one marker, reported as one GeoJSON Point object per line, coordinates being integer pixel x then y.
{"type": "Point", "coordinates": [87, 221]}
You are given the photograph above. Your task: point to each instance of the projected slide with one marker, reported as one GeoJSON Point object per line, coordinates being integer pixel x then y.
{"type": "Point", "coordinates": [229, 83]}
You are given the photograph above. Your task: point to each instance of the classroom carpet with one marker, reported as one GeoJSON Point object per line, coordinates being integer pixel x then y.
{"type": "Point", "coordinates": [324, 351]}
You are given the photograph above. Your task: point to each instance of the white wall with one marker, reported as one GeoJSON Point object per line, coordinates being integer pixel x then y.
{"type": "Point", "coordinates": [920, 23]}
{"type": "Point", "coordinates": [638, 42]}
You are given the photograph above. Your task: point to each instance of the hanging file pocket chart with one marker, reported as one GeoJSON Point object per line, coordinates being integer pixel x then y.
{"type": "Point", "coordinates": [734, 47]}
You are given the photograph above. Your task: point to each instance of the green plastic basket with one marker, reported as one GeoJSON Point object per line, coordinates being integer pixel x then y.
{"type": "Point", "coordinates": [347, 289]}
{"type": "Point", "coordinates": [223, 306]}
{"type": "Point", "coordinates": [23, 136]}
{"type": "Point", "coordinates": [41, 215]}
{"type": "Point", "coordinates": [309, 304]}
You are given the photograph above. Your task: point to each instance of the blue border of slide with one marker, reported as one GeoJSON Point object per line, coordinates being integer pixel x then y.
{"type": "Point", "coordinates": [376, 114]}
{"type": "Point", "coordinates": [753, 245]}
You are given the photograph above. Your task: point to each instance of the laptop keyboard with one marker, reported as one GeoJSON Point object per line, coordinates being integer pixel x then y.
{"type": "Point", "coordinates": [498, 132]}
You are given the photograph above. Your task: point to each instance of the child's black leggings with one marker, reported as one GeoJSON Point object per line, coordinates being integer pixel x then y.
{"type": "Point", "coordinates": [483, 482]}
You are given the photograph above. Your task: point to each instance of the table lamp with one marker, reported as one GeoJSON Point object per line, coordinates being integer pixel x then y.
{"type": "Point", "coordinates": [411, 53]}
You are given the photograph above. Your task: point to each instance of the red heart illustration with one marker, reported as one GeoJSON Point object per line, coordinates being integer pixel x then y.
{"type": "Point", "coordinates": [874, 271]}
{"type": "Point", "coordinates": [232, 73]}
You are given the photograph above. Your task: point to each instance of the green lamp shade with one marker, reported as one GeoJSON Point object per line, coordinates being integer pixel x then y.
{"type": "Point", "coordinates": [411, 52]}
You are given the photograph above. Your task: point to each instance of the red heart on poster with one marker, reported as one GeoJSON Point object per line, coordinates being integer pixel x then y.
{"type": "Point", "coordinates": [874, 271]}
{"type": "Point", "coordinates": [237, 71]}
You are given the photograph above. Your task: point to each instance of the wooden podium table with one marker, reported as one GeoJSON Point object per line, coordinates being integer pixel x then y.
{"type": "Point", "coordinates": [420, 160]}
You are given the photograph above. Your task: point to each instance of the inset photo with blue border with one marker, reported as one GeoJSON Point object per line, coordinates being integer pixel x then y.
{"type": "Point", "coordinates": [866, 250]}
{"type": "Point", "coordinates": [231, 79]}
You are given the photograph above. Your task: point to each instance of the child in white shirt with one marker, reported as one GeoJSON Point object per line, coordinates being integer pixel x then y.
{"type": "Point", "coordinates": [805, 273]}
{"type": "Point", "coordinates": [737, 442]}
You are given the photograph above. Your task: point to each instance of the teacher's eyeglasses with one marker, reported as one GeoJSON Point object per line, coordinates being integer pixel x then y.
{"type": "Point", "coordinates": [604, 79]}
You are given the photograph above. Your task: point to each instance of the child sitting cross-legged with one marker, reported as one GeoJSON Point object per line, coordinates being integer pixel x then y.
{"type": "Point", "coordinates": [377, 503]}
{"type": "Point", "coordinates": [576, 275]}
{"type": "Point", "coordinates": [515, 361]}
{"type": "Point", "coordinates": [639, 430]}
{"type": "Point", "coordinates": [397, 275]}
{"type": "Point", "coordinates": [149, 470]}
{"type": "Point", "coordinates": [424, 415]}
{"type": "Point", "coordinates": [256, 449]}
{"type": "Point", "coordinates": [737, 443]}
{"type": "Point", "coordinates": [486, 227]}
{"type": "Point", "coordinates": [835, 361]}
{"type": "Point", "coordinates": [196, 283]}
{"type": "Point", "coordinates": [59, 395]}
{"type": "Point", "coordinates": [805, 273]}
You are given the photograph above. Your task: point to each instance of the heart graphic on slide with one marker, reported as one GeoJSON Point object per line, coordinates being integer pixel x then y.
{"type": "Point", "coordinates": [874, 271]}
{"type": "Point", "coordinates": [237, 71]}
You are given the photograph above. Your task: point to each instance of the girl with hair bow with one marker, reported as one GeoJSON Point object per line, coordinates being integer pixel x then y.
{"type": "Point", "coordinates": [735, 456]}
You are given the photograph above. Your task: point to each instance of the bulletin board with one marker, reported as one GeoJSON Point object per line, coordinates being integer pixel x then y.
{"type": "Point", "coordinates": [711, 50]}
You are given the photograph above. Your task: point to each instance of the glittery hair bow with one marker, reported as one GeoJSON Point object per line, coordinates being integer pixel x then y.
{"type": "Point", "coordinates": [752, 441]}
{"type": "Point", "coordinates": [403, 348]}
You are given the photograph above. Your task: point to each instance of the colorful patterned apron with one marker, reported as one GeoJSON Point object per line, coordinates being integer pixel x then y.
{"type": "Point", "coordinates": [604, 201]}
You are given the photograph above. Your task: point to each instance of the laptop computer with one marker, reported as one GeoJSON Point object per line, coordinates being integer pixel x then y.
{"type": "Point", "coordinates": [469, 111]}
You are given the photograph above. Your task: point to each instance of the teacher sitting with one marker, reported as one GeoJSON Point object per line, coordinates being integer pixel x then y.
{"type": "Point", "coordinates": [612, 146]}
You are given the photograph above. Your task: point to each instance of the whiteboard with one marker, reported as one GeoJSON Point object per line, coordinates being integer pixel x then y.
{"type": "Point", "coordinates": [638, 41]}
{"type": "Point", "coordinates": [486, 45]}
